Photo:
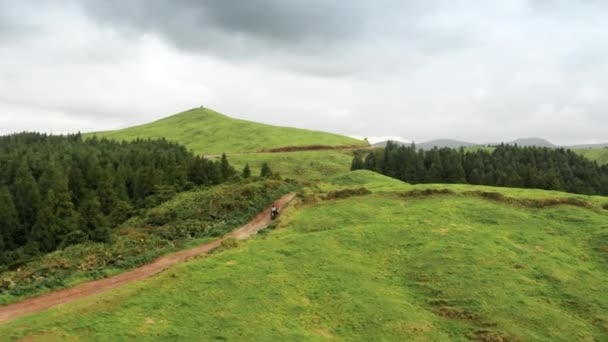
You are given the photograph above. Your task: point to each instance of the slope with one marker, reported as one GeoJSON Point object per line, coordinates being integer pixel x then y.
{"type": "Point", "coordinates": [598, 154]}
{"type": "Point", "coordinates": [207, 132]}
{"type": "Point", "coordinates": [386, 266]}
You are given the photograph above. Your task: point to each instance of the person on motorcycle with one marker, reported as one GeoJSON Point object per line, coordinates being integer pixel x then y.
{"type": "Point", "coordinates": [274, 212]}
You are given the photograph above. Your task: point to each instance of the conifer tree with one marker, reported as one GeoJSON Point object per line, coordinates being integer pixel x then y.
{"type": "Point", "coordinates": [9, 221]}
{"type": "Point", "coordinates": [106, 190]}
{"type": "Point", "coordinates": [92, 220]}
{"type": "Point", "coordinates": [225, 168]}
{"type": "Point", "coordinates": [357, 163]}
{"type": "Point", "coordinates": [265, 172]}
{"type": "Point", "coordinates": [213, 172]}
{"type": "Point", "coordinates": [246, 171]}
{"type": "Point", "coordinates": [27, 200]}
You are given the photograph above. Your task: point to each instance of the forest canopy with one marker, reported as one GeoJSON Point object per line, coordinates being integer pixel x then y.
{"type": "Point", "coordinates": [61, 190]}
{"type": "Point", "coordinates": [509, 166]}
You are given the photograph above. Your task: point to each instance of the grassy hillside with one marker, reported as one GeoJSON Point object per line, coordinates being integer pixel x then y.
{"type": "Point", "coordinates": [189, 219]}
{"type": "Point", "coordinates": [386, 266]}
{"type": "Point", "coordinates": [308, 165]}
{"type": "Point", "coordinates": [598, 154]}
{"type": "Point", "coordinates": [207, 132]}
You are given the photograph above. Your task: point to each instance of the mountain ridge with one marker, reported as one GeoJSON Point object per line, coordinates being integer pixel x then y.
{"type": "Point", "coordinates": [452, 143]}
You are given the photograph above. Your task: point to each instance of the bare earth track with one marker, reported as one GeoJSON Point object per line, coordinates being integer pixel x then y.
{"type": "Point", "coordinates": [68, 295]}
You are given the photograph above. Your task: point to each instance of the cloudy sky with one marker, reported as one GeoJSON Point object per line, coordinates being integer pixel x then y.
{"type": "Point", "coordinates": [472, 70]}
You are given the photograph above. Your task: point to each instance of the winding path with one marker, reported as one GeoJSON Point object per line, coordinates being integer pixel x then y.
{"type": "Point", "coordinates": [43, 302]}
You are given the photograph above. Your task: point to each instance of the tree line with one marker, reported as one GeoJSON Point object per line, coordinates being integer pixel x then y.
{"type": "Point", "coordinates": [506, 165]}
{"type": "Point", "coordinates": [61, 190]}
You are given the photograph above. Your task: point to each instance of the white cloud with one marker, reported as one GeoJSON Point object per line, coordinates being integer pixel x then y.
{"type": "Point", "coordinates": [438, 69]}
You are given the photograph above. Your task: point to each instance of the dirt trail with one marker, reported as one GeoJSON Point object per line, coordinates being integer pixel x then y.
{"type": "Point", "coordinates": [46, 301]}
{"type": "Point", "coordinates": [291, 149]}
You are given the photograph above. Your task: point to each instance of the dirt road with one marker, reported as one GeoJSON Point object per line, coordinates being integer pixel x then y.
{"type": "Point", "coordinates": [49, 300]}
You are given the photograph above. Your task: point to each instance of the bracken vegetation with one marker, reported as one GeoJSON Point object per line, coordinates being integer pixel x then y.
{"type": "Point", "coordinates": [188, 219]}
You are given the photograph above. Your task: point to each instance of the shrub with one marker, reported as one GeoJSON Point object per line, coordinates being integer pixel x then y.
{"type": "Point", "coordinates": [346, 193]}
{"type": "Point", "coordinates": [426, 192]}
{"type": "Point", "coordinates": [530, 202]}
{"type": "Point", "coordinates": [159, 217]}
{"type": "Point", "coordinates": [605, 206]}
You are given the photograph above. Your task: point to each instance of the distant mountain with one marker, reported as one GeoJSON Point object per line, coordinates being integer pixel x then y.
{"type": "Point", "coordinates": [383, 143]}
{"type": "Point", "coordinates": [441, 143]}
{"type": "Point", "coordinates": [450, 143]}
{"type": "Point", "coordinates": [539, 142]}
{"type": "Point", "coordinates": [429, 145]}
{"type": "Point", "coordinates": [589, 146]}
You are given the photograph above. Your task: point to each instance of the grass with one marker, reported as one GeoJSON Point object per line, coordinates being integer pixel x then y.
{"type": "Point", "coordinates": [376, 267]}
{"type": "Point", "coordinates": [598, 154]}
{"type": "Point", "coordinates": [308, 165]}
{"type": "Point", "coordinates": [380, 183]}
{"type": "Point", "coordinates": [191, 218]}
{"type": "Point", "coordinates": [207, 132]}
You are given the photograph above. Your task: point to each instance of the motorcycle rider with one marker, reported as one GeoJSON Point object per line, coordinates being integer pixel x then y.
{"type": "Point", "coordinates": [274, 212]}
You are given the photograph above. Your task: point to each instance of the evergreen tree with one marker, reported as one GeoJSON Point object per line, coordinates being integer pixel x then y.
{"type": "Point", "coordinates": [106, 190]}
{"type": "Point", "coordinates": [475, 177]}
{"type": "Point", "coordinates": [530, 167]}
{"type": "Point", "coordinates": [357, 163]}
{"type": "Point", "coordinates": [214, 172]}
{"type": "Point", "coordinates": [76, 183]}
{"type": "Point", "coordinates": [46, 230]}
{"type": "Point", "coordinates": [27, 201]}
{"type": "Point", "coordinates": [225, 168]}
{"type": "Point", "coordinates": [435, 169]}
{"type": "Point", "coordinates": [92, 220]}
{"type": "Point", "coordinates": [9, 221]}
{"type": "Point", "coordinates": [265, 172]}
{"type": "Point", "coordinates": [246, 171]}
{"type": "Point", "coordinates": [371, 162]}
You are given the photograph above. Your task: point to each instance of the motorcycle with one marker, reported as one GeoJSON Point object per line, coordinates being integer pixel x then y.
{"type": "Point", "coordinates": [274, 214]}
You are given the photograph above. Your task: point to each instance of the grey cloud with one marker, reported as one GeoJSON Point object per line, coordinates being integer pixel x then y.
{"type": "Point", "coordinates": [327, 38]}
{"type": "Point", "coordinates": [189, 23]}
{"type": "Point", "coordinates": [465, 69]}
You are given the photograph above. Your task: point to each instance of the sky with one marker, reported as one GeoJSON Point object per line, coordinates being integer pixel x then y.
{"type": "Point", "coordinates": [480, 71]}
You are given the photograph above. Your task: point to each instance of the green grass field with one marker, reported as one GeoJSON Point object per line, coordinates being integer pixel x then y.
{"type": "Point", "coordinates": [307, 165]}
{"type": "Point", "coordinates": [207, 132]}
{"type": "Point", "coordinates": [598, 154]}
{"type": "Point", "coordinates": [445, 267]}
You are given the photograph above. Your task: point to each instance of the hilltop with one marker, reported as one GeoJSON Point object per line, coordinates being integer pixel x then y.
{"type": "Point", "coordinates": [205, 131]}
{"type": "Point", "coordinates": [538, 142]}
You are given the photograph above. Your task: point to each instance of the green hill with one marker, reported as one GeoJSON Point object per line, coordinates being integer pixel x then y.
{"type": "Point", "coordinates": [304, 165]}
{"type": "Point", "coordinates": [207, 132]}
{"type": "Point", "coordinates": [427, 262]}
{"type": "Point", "coordinates": [598, 154]}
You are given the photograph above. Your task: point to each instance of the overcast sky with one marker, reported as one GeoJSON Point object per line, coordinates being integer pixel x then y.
{"type": "Point", "coordinates": [480, 71]}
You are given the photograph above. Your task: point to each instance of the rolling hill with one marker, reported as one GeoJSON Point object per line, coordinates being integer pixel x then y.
{"type": "Point", "coordinates": [392, 261]}
{"type": "Point", "coordinates": [440, 143]}
{"type": "Point", "coordinates": [433, 262]}
{"type": "Point", "coordinates": [600, 155]}
{"type": "Point", "coordinates": [205, 131]}
{"type": "Point", "coordinates": [538, 142]}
